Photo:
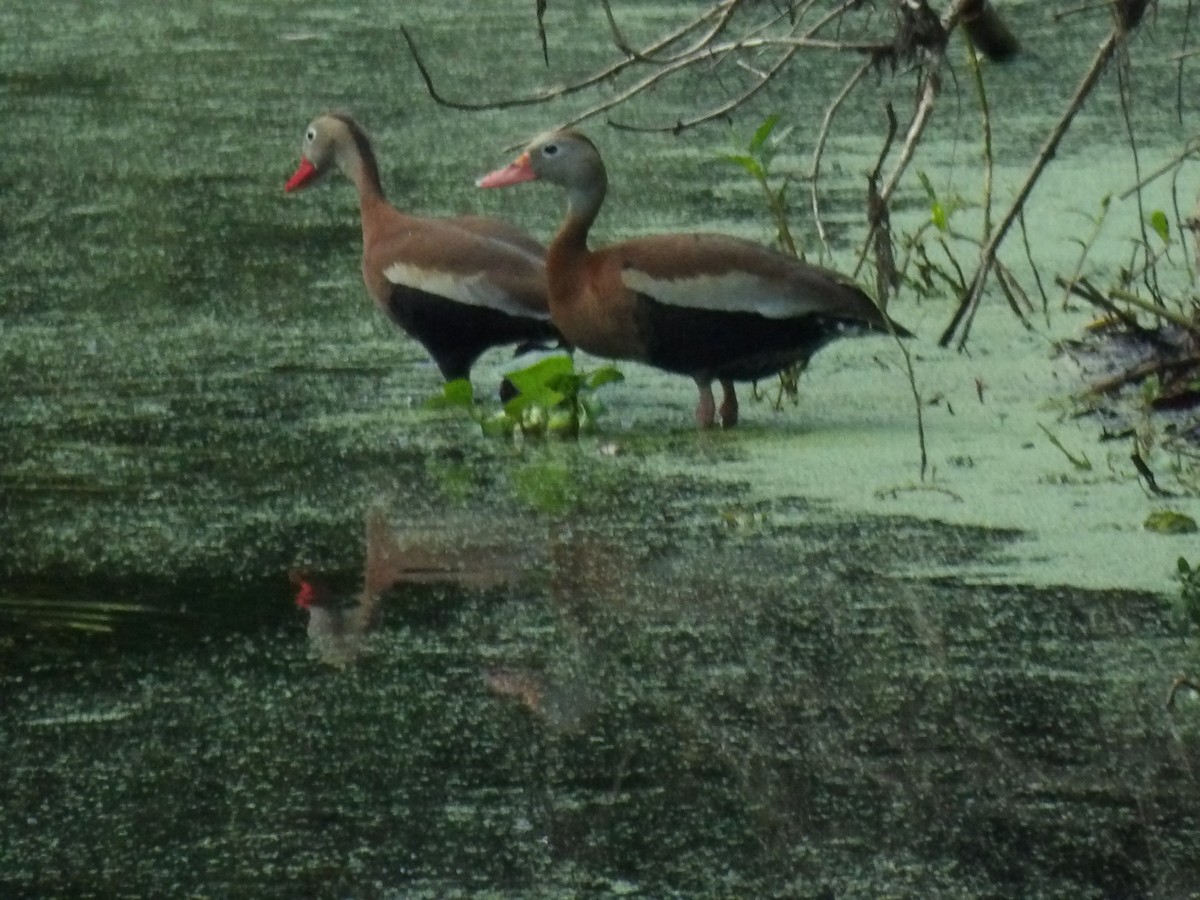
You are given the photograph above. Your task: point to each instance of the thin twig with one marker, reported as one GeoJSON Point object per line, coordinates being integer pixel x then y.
{"type": "Point", "coordinates": [916, 128]}
{"type": "Point", "coordinates": [1142, 371]}
{"type": "Point", "coordinates": [819, 149]}
{"type": "Point", "coordinates": [1037, 275]}
{"type": "Point", "coordinates": [1154, 309]}
{"type": "Point", "coordinates": [1192, 148]}
{"type": "Point", "coordinates": [719, 51]}
{"type": "Point", "coordinates": [970, 303]}
{"type": "Point", "coordinates": [986, 126]}
{"type": "Point", "coordinates": [1147, 473]}
{"type": "Point", "coordinates": [1149, 272]}
{"type": "Point", "coordinates": [541, 27]}
{"type": "Point", "coordinates": [931, 86]}
{"type": "Point", "coordinates": [895, 492]}
{"type": "Point", "coordinates": [1085, 247]}
{"type": "Point", "coordinates": [552, 93]}
{"type": "Point", "coordinates": [716, 112]}
{"type": "Point", "coordinates": [879, 217]}
{"type": "Point", "coordinates": [1081, 287]}
{"type": "Point", "coordinates": [1080, 462]}
{"type": "Point", "coordinates": [644, 56]}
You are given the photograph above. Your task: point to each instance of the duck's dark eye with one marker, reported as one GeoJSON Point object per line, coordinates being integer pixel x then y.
{"type": "Point", "coordinates": [310, 135]}
{"type": "Point", "coordinates": [550, 149]}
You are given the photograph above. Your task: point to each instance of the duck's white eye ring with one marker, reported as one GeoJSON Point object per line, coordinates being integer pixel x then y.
{"type": "Point", "coordinates": [310, 135]}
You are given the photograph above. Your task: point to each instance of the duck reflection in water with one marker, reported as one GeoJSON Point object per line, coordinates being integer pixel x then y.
{"type": "Point", "coordinates": [338, 626]}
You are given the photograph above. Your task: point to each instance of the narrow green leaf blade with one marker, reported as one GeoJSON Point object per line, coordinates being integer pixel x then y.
{"type": "Point", "coordinates": [763, 132]}
{"type": "Point", "coordinates": [749, 163]}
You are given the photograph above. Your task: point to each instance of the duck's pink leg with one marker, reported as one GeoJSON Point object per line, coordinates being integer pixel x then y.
{"type": "Point", "coordinates": [729, 404]}
{"type": "Point", "coordinates": [706, 409]}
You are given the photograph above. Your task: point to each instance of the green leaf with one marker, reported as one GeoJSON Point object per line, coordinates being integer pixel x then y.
{"type": "Point", "coordinates": [749, 163]}
{"type": "Point", "coordinates": [763, 132]}
{"type": "Point", "coordinates": [566, 383]}
{"type": "Point", "coordinates": [1158, 221]}
{"type": "Point", "coordinates": [603, 376]}
{"type": "Point", "coordinates": [939, 217]}
{"type": "Point", "coordinates": [928, 185]}
{"type": "Point", "coordinates": [457, 393]}
{"type": "Point", "coordinates": [534, 384]}
{"type": "Point", "coordinates": [498, 425]}
{"type": "Point", "coordinates": [1167, 521]}
{"type": "Point", "coordinates": [1182, 565]}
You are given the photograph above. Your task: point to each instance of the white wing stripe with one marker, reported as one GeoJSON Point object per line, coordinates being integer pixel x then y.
{"type": "Point", "coordinates": [472, 290]}
{"type": "Point", "coordinates": [742, 292]}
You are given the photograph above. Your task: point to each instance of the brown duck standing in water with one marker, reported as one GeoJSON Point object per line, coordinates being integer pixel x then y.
{"type": "Point", "coordinates": [458, 285]}
{"type": "Point", "coordinates": [713, 307]}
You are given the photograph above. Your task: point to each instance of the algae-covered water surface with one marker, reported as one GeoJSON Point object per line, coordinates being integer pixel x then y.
{"type": "Point", "coordinates": [769, 662]}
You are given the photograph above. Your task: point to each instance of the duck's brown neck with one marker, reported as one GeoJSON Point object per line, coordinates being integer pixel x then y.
{"type": "Point", "coordinates": [569, 249]}
{"type": "Point", "coordinates": [357, 160]}
{"type": "Point", "coordinates": [370, 194]}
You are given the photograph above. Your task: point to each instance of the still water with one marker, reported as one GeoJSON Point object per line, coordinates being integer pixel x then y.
{"type": "Point", "coordinates": [651, 682]}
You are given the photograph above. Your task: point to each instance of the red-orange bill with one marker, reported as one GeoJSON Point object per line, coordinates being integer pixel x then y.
{"type": "Point", "coordinates": [303, 174]}
{"type": "Point", "coordinates": [516, 172]}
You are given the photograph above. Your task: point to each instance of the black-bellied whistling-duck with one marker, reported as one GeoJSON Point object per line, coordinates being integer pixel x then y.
{"type": "Point", "coordinates": [705, 305]}
{"type": "Point", "coordinates": [458, 285]}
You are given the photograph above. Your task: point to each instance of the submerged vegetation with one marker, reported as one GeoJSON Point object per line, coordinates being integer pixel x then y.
{"type": "Point", "coordinates": [78, 615]}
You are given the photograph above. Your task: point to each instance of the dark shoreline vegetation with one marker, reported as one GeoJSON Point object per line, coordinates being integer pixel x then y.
{"type": "Point", "coordinates": [787, 661]}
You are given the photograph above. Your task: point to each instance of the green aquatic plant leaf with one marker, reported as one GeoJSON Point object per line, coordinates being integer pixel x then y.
{"type": "Point", "coordinates": [749, 163]}
{"type": "Point", "coordinates": [604, 375]}
{"type": "Point", "coordinates": [939, 214]}
{"type": "Point", "coordinates": [457, 393]}
{"type": "Point", "coordinates": [540, 385]}
{"type": "Point", "coordinates": [1158, 221]}
{"type": "Point", "coordinates": [763, 132]}
{"type": "Point", "coordinates": [537, 377]}
{"type": "Point", "coordinates": [553, 398]}
{"type": "Point", "coordinates": [1168, 521]}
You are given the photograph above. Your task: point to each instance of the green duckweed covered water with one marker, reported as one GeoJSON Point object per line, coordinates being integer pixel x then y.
{"type": "Point", "coordinates": [728, 665]}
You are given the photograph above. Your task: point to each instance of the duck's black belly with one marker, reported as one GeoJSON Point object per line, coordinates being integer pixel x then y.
{"type": "Point", "coordinates": [733, 345]}
{"type": "Point", "coordinates": [456, 334]}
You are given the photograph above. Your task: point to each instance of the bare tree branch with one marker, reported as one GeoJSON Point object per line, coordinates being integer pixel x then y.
{"type": "Point", "coordinates": [722, 11]}
{"type": "Point", "coordinates": [744, 43]}
{"type": "Point", "coordinates": [970, 302]}
{"type": "Point", "coordinates": [541, 23]}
